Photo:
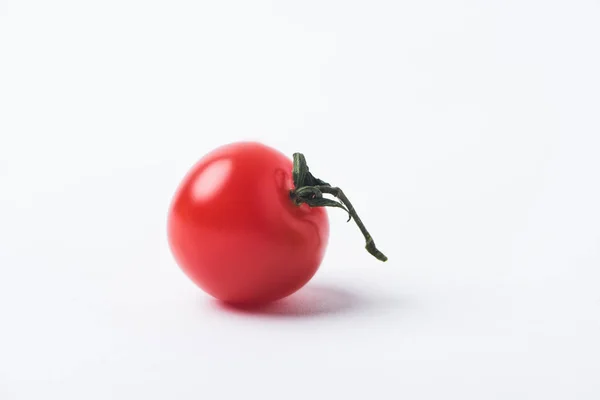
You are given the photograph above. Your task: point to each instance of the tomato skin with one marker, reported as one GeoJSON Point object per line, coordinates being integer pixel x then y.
{"type": "Point", "coordinates": [234, 230]}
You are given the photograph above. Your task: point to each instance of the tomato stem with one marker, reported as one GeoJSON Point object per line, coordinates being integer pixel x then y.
{"type": "Point", "coordinates": [309, 190]}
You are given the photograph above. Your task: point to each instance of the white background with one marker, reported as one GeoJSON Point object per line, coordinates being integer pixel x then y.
{"type": "Point", "coordinates": [467, 133]}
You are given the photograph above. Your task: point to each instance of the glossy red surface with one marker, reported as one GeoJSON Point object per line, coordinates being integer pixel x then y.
{"type": "Point", "coordinates": [235, 232]}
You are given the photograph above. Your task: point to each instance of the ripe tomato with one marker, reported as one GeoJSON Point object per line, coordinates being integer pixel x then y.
{"type": "Point", "coordinates": [235, 231]}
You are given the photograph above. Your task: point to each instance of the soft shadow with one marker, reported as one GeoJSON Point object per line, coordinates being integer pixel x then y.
{"type": "Point", "coordinates": [310, 301]}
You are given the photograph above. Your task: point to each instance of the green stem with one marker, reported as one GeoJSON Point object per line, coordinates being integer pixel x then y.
{"type": "Point", "coordinates": [309, 190]}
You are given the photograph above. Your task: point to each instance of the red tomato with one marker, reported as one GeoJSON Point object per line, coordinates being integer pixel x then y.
{"type": "Point", "coordinates": [235, 231]}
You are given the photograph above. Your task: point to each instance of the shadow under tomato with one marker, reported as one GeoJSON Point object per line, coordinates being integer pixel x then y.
{"type": "Point", "coordinates": [310, 301]}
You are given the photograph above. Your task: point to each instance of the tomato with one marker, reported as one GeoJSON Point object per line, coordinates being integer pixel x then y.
{"type": "Point", "coordinates": [249, 226]}
{"type": "Point", "coordinates": [235, 231]}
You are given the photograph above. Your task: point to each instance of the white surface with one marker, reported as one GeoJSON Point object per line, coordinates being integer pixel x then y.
{"type": "Point", "coordinates": [467, 135]}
